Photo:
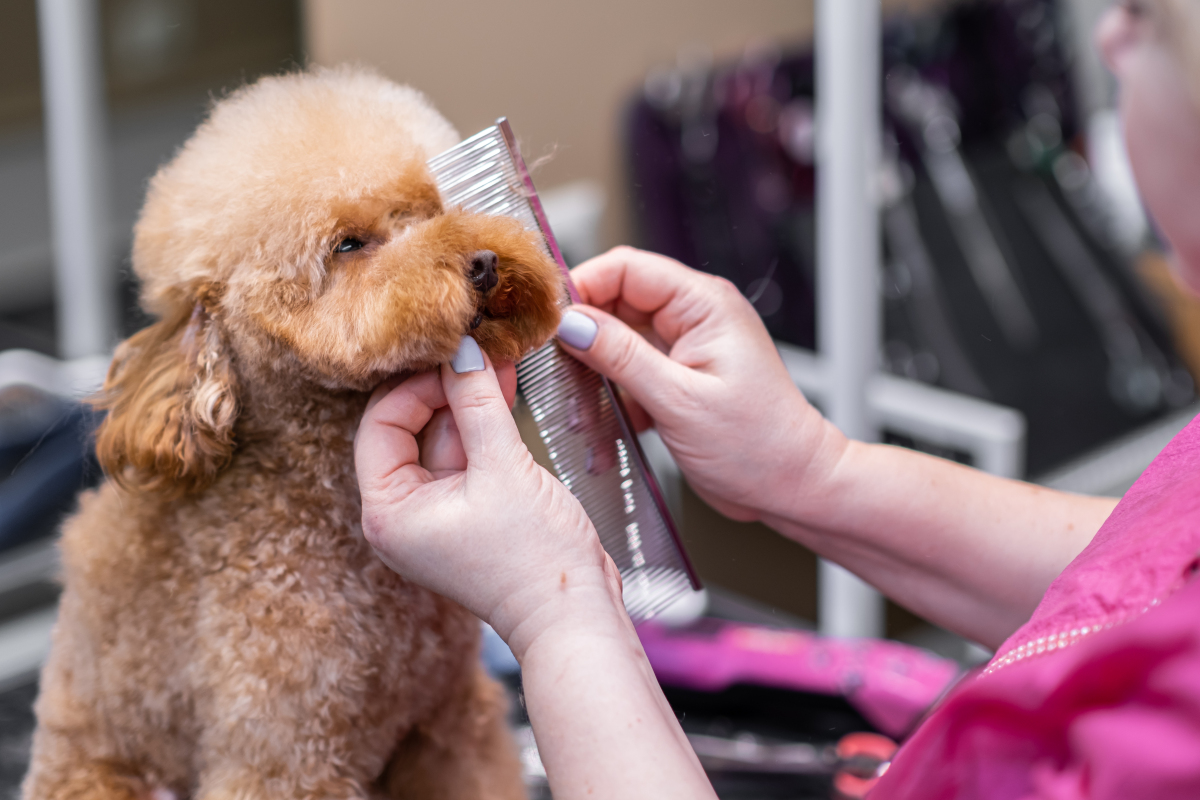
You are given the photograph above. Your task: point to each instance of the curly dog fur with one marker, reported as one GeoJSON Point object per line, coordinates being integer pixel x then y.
{"type": "Point", "coordinates": [225, 631]}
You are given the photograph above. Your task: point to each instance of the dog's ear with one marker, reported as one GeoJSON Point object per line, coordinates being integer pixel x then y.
{"type": "Point", "coordinates": [171, 398]}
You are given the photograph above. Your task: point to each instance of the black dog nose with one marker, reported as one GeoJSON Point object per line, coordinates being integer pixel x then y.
{"type": "Point", "coordinates": [483, 270]}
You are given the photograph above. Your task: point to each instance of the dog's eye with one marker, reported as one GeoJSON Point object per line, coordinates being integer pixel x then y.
{"type": "Point", "coordinates": [348, 246]}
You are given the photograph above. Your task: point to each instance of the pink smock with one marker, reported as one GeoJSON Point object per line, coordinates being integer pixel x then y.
{"type": "Point", "coordinates": [1098, 695]}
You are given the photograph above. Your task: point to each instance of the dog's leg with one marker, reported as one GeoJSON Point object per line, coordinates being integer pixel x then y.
{"type": "Point", "coordinates": [268, 757]}
{"type": "Point", "coordinates": [465, 751]}
{"type": "Point", "coordinates": [239, 781]}
{"type": "Point", "coordinates": [72, 758]}
{"type": "Point", "coordinates": [94, 780]}
{"type": "Point", "coordinates": [84, 749]}
{"type": "Point", "coordinates": [85, 780]}
{"type": "Point", "coordinates": [298, 702]}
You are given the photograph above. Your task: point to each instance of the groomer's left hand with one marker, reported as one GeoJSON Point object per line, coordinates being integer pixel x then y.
{"type": "Point", "coordinates": [453, 500]}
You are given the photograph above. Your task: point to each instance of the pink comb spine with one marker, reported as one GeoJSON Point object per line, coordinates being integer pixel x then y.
{"type": "Point", "coordinates": [622, 414]}
{"type": "Point", "coordinates": [535, 203]}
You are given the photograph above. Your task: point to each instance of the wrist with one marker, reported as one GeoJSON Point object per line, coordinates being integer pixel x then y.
{"type": "Point", "coordinates": [831, 507]}
{"type": "Point", "coordinates": [807, 479]}
{"type": "Point", "coordinates": [602, 629]}
{"type": "Point", "coordinates": [583, 601]}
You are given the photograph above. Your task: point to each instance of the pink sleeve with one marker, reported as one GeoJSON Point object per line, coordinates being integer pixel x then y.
{"type": "Point", "coordinates": [1130, 728]}
{"type": "Point", "coordinates": [1112, 718]}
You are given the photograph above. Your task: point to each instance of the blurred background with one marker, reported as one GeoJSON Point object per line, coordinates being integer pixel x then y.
{"type": "Point", "coordinates": [1028, 321]}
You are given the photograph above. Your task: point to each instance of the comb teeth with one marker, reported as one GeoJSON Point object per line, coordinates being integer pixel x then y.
{"type": "Point", "coordinates": [479, 175]}
{"type": "Point", "coordinates": [586, 431]}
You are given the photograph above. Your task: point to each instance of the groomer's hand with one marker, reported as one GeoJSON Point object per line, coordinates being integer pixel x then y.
{"type": "Point", "coordinates": [692, 354]}
{"type": "Point", "coordinates": [453, 500]}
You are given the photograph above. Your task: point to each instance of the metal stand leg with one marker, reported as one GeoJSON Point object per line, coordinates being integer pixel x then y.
{"type": "Point", "coordinates": [73, 95]}
{"type": "Point", "coordinates": [848, 64]}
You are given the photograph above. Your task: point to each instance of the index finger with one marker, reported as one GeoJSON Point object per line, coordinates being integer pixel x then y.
{"type": "Point", "coordinates": [386, 455]}
{"type": "Point", "coordinates": [482, 413]}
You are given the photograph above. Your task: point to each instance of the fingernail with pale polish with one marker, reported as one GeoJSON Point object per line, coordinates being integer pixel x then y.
{"type": "Point", "coordinates": [469, 357]}
{"type": "Point", "coordinates": [578, 330]}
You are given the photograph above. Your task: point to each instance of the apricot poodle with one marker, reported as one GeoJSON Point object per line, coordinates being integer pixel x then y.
{"type": "Point", "coordinates": [225, 631]}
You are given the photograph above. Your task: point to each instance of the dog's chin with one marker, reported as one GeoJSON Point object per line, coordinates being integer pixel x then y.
{"type": "Point", "coordinates": [510, 339]}
{"type": "Point", "coordinates": [506, 333]}
{"type": "Point", "coordinates": [504, 340]}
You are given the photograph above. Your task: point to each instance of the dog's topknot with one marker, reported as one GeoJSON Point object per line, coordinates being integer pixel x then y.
{"type": "Point", "coordinates": [225, 197]}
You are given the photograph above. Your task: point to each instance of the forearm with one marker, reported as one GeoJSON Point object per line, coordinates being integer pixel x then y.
{"type": "Point", "coordinates": [603, 727]}
{"type": "Point", "coordinates": [964, 549]}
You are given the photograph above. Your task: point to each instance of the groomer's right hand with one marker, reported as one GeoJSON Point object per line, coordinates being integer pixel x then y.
{"type": "Point", "coordinates": [694, 356]}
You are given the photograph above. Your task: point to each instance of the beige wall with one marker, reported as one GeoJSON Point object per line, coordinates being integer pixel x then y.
{"type": "Point", "coordinates": [561, 71]}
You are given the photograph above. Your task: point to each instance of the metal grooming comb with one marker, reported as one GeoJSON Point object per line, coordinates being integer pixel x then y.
{"type": "Point", "coordinates": [579, 416]}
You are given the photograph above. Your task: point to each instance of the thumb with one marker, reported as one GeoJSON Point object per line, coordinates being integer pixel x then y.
{"type": "Point", "coordinates": [612, 348]}
{"type": "Point", "coordinates": [481, 412]}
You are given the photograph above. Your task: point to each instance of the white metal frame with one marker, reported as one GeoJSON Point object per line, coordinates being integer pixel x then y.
{"type": "Point", "coordinates": [1110, 469]}
{"type": "Point", "coordinates": [992, 435]}
{"type": "Point", "coordinates": [73, 96]}
{"type": "Point", "coordinates": [848, 311]}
